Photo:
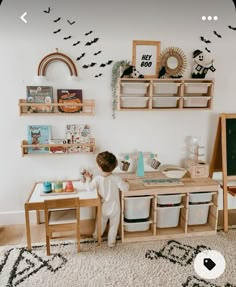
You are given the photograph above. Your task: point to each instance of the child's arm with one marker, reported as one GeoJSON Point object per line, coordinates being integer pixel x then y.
{"type": "Point", "coordinates": [90, 183]}
{"type": "Point", "coordinates": [123, 185]}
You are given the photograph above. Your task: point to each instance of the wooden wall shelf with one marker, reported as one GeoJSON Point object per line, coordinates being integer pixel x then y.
{"type": "Point", "coordinates": [88, 108]}
{"type": "Point", "coordinates": [164, 94]}
{"type": "Point", "coordinates": [58, 149]}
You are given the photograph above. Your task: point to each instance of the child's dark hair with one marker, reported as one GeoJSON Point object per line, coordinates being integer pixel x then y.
{"type": "Point", "coordinates": [107, 161]}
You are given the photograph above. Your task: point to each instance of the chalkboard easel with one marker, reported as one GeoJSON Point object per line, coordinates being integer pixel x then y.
{"type": "Point", "coordinates": [224, 158]}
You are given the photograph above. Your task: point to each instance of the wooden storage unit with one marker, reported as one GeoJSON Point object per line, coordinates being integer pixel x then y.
{"type": "Point", "coordinates": [158, 94]}
{"type": "Point", "coordinates": [25, 146]}
{"type": "Point", "coordinates": [190, 185]}
{"type": "Point", "coordinates": [87, 105]}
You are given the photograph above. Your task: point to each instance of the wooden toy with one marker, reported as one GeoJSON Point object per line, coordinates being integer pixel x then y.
{"type": "Point", "coordinates": [69, 186]}
{"type": "Point", "coordinates": [47, 187]}
{"type": "Point", "coordinates": [196, 168]}
{"type": "Point", "coordinates": [58, 186]}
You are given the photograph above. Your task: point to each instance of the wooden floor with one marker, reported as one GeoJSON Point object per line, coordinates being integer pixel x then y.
{"type": "Point", "coordinates": [15, 234]}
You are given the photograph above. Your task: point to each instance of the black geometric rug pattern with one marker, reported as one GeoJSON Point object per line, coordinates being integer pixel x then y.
{"type": "Point", "coordinates": [183, 255]}
{"type": "Point", "coordinates": [193, 281]}
{"type": "Point", "coordinates": [24, 264]}
{"type": "Point", "coordinates": [177, 253]}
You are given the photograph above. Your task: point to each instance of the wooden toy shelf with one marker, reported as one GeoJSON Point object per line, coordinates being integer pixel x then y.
{"type": "Point", "coordinates": [162, 94]}
{"type": "Point", "coordinates": [88, 108]}
{"type": "Point", "coordinates": [184, 227]}
{"type": "Point", "coordinates": [58, 149]}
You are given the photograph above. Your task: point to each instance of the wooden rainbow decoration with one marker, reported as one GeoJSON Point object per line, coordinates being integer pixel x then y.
{"type": "Point", "coordinates": [56, 57]}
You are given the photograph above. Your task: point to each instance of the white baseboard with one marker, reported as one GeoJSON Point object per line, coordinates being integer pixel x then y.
{"type": "Point", "coordinates": [15, 217]}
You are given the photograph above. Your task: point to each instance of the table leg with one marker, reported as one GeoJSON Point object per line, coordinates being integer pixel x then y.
{"type": "Point", "coordinates": [27, 223]}
{"type": "Point", "coordinates": [99, 223]}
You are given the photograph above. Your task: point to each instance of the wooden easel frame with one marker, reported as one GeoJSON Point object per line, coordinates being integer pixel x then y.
{"type": "Point", "coordinates": [219, 163]}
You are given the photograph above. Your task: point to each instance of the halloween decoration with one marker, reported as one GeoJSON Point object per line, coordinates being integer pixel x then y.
{"type": "Point", "coordinates": [200, 68]}
{"type": "Point", "coordinates": [205, 40]}
{"type": "Point", "coordinates": [131, 72]}
{"type": "Point", "coordinates": [173, 63]}
{"type": "Point", "coordinates": [218, 35]}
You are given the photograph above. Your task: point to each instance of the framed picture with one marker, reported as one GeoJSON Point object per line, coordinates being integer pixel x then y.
{"type": "Point", "coordinates": [145, 57]}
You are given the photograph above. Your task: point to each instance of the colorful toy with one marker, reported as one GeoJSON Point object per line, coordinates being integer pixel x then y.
{"type": "Point", "coordinates": [47, 187]}
{"type": "Point", "coordinates": [58, 186]}
{"type": "Point", "coordinates": [69, 186]}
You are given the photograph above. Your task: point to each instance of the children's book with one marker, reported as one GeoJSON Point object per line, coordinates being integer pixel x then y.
{"type": "Point", "coordinates": [78, 134]}
{"type": "Point", "coordinates": [69, 96]}
{"type": "Point", "coordinates": [40, 94]}
{"type": "Point", "coordinates": [36, 135]}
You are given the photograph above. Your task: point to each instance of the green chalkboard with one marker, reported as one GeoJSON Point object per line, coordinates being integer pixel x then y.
{"type": "Point", "coordinates": [231, 146]}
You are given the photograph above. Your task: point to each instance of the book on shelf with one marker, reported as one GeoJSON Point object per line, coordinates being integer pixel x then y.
{"type": "Point", "coordinates": [59, 148]}
{"type": "Point", "coordinates": [78, 134]}
{"type": "Point", "coordinates": [40, 94]}
{"type": "Point", "coordinates": [69, 96]}
{"type": "Point", "coordinates": [37, 135]}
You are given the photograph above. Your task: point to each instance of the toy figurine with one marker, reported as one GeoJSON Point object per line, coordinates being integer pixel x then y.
{"type": "Point", "coordinates": [84, 173]}
{"type": "Point", "coordinates": [200, 67]}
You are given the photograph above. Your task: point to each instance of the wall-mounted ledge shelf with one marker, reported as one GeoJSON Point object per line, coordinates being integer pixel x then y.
{"type": "Point", "coordinates": [164, 94]}
{"type": "Point", "coordinates": [57, 149]}
{"type": "Point", "coordinates": [88, 108]}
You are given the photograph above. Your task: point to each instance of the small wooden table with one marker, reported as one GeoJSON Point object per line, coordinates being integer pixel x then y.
{"type": "Point", "coordinates": [36, 202]}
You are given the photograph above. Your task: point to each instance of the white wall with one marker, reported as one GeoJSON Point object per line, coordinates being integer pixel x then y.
{"type": "Point", "coordinates": [116, 24]}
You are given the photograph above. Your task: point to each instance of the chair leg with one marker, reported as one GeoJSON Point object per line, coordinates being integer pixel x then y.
{"type": "Point", "coordinates": [48, 244]}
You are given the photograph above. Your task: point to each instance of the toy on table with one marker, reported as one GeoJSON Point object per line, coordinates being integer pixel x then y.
{"type": "Point", "coordinates": [47, 187]}
{"type": "Point", "coordinates": [85, 173]}
{"type": "Point", "coordinates": [58, 186]}
{"type": "Point", "coordinates": [69, 186]}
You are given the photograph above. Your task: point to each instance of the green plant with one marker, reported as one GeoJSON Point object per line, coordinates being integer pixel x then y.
{"type": "Point", "coordinates": [115, 75]}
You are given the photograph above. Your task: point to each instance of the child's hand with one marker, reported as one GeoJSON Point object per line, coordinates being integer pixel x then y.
{"type": "Point", "coordinates": [88, 175]}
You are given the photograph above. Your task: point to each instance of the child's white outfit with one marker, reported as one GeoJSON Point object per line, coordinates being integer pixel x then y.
{"type": "Point", "coordinates": [108, 188]}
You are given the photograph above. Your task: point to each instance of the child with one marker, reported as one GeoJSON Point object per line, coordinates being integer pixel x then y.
{"type": "Point", "coordinates": [108, 185]}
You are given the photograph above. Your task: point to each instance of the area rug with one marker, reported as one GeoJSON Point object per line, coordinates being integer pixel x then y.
{"type": "Point", "coordinates": [166, 263]}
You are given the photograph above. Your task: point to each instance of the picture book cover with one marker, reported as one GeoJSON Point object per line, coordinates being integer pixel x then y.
{"type": "Point", "coordinates": [40, 94]}
{"type": "Point", "coordinates": [69, 96]}
{"type": "Point", "coordinates": [36, 135]}
{"type": "Point", "coordinates": [78, 134]}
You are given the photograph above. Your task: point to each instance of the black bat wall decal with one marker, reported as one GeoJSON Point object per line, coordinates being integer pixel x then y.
{"type": "Point", "coordinates": [232, 28]}
{"type": "Point", "coordinates": [90, 32]}
{"type": "Point", "coordinates": [208, 50]}
{"type": "Point", "coordinates": [0, 2]}
{"type": "Point", "coordinates": [56, 20]}
{"type": "Point", "coordinates": [92, 42]}
{"type": "Point", "coordinates": [234, 4]}
{"type": "Point", "coordinates": [105, 64]}
{"type": "Point", "coordinates": [95, 54]}
{"type": "Point", "coordinates": [76, 43]}
{"type": "Point", "coordinates": [218, 35]}
{"type": "Point", "coordinates": [66, 38]}
{"type": "Point", "coordinates": [57, 31]}
{"type": "Point", "coordinates": [47, 11]}
{"type": "Point", "coordinates": [71, 23]}
{"type": "Point", "coordinates": [99, 75]}
{"type": "Point", "coordinates": [90, 65]}
{"type": "Point", "coordinates": [80, 57]}
{"type": "Point", "coordinates": [205, 40]}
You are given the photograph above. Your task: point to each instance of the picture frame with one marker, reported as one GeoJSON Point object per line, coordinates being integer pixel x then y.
{"type": "Point", "coordinates": [145, 57]}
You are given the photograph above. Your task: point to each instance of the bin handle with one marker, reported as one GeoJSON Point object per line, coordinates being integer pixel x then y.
{"type": "Point", "coordinates": [164, 207]}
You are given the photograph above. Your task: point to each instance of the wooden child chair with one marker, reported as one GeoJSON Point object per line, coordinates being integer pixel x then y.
{"type": "Point", "coordinates": [62, 215]}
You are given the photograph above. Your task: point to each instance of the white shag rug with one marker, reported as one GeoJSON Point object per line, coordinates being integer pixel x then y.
{"type": "Point", "coordinates": [167, 263]}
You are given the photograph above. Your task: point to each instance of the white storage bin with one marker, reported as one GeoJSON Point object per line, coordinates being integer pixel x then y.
{"type": "Point", "coordinates": [139, 226]}
{"type": "Point", "coordinates": [137, 207]}
{"type": "Point", "coordinates": [161, 102]}
{"type": "Point", "coordinates": [196, 102]}
{"type": "Point", "coordinates": [134, 88]}
{"type": "Point", "coordinates": [198, 213]}
{"type": "Point", "coordinates": [166, 88]}
{"type": "Point", "coordinates": [134, 102]}
{"type": "Point", "coordinates": [200, 197]}
{"type": "Point", "coordinates": [168, 199]}
{"type": "Point", "coordinates": [168, 216]}
{"type": "Point", "coordinates": [196, 88]}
